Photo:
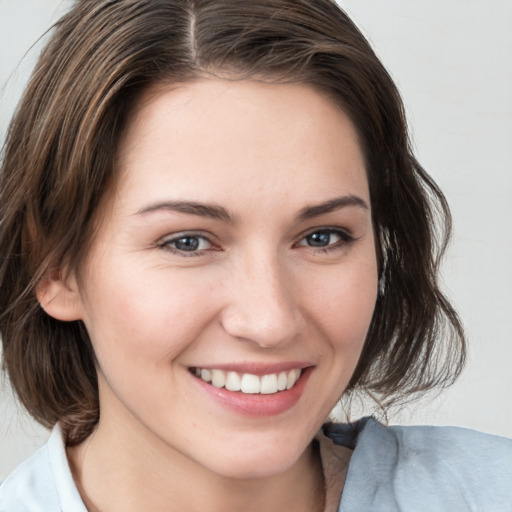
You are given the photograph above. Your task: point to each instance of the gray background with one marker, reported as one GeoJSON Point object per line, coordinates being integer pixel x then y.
{"type": "Point", "coordinates": [452, 60]}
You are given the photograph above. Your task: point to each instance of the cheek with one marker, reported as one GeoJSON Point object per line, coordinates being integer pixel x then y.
{"type": "Point", "coordinates": [145, 318]}
{"type": "Point", "coordinates": [343, 307]}
{"type": "Point", "coordinates": [141, 326]}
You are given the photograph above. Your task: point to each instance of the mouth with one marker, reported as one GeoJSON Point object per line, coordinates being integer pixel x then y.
{"type": "Point", "coordinates": [249, 383]}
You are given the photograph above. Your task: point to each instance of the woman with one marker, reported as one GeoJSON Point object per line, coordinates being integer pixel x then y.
{"type": "Point", "coordinates": [212, 229]}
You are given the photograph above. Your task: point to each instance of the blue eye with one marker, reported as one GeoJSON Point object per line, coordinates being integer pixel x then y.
{"type": "Point", "coordinates": [326, 239]}
{"type": "Point", "coordinates": [186, 243]}
{"type": "Point", "coordinates": [321, 239]}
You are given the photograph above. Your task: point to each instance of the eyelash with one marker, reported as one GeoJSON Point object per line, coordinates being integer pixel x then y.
{"type": "Point", "coordinates": [166, 244]}
{"type": "Point", "coordinates": [344, 240]}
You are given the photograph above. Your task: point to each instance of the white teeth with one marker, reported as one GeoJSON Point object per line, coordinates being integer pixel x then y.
{"type": "Point", "coordinates": [293, 375]}
{"type": "Point", "coordinates": [249, 383]}
{"type": "Point", "coordinates": [281, 381]}
{"type": "Point", "coordinates": [268, 384]}
{"type": "Point", "coordinates": [206, 375]}
{"type": "Point", "coordinates": [218, 378]}
{"type": "Point", "coordinates": [233, 382]}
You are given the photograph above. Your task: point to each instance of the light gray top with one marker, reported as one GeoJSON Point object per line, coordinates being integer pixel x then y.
{"type": "Point", "coordinates": [417, 469]}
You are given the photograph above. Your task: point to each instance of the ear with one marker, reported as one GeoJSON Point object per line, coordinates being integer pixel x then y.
{"type": "Point", "coordinates": [59, 296]}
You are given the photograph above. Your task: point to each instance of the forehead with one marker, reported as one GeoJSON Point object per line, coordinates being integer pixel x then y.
{"type": "Point", "coordinates": [214, 137]}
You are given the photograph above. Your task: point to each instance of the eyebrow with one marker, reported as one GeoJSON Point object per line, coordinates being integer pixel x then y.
{"type": "Point", "coordinates": [192, 208]}
{"type": "Point", "coordinates": [332, 205]}
{"type": "Point", "coordinates": [215, 212]}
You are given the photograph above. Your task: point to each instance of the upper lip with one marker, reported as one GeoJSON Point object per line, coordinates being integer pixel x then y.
{"type": "Point", "coordinates": [256, 368]}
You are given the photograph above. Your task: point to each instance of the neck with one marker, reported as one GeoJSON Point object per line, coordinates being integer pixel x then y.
{"type": "Point", "coordinates": [115, 471]}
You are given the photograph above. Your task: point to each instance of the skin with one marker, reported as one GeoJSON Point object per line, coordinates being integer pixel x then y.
{"type": "Point", "coordinates": [255, 291]}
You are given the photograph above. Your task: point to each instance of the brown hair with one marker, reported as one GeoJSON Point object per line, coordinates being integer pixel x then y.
{"type": "Point", "coordinates": [58, 164]}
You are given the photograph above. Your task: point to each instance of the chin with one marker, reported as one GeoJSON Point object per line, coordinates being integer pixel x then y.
{"type": "Point", "coordinates": [259, 460]}
{"type": "Point", "coordinates": [252, 469]}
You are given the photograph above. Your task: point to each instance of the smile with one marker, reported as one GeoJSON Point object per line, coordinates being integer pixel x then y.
{"type": "Point", "coordinates": [247, 382]}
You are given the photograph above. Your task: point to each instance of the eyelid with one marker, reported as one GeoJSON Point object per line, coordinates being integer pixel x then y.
{"type": "Point", "coordinates": [346, 238]}
{"type": "Point", "coordinates": [166, 241]}
{"type": "Point", "coordinates": [343, 232]}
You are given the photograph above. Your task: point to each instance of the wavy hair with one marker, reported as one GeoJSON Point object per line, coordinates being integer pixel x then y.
{"type": "Point", "coordinates": [58, 166]}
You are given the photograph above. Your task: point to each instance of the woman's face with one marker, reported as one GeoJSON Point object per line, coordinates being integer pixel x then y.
{"type": "Point", "coordinates": [239, 247]}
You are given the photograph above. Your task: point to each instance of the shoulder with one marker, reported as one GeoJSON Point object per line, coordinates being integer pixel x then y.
{"type": "Point", "coordinates": [42, 483]}
{"type": "Point", "coordinates": [426, 468]}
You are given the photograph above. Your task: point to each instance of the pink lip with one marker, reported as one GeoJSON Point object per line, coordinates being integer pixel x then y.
{"type": "Point", "coordinates": [257, 405]}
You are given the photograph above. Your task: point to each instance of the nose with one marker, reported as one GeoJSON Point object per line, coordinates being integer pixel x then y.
{"type": "Point", "coordinates": [262, 305]}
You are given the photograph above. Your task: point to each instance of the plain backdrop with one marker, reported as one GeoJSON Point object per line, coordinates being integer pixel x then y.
{"type": "Point", "coordinates": [452, 60]}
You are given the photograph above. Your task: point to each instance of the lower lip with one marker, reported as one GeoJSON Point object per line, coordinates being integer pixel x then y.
{"type": "Point", "coordinates": [259, 405]}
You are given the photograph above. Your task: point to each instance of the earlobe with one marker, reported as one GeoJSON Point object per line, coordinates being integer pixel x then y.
{"type": "Point", "coordinates": [59, 296]}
